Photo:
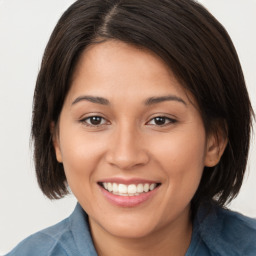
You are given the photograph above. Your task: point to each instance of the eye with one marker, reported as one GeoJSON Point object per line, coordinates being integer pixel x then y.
{"type": "Point", "coordinates": [161, 121]}
{"type": "Point", "coordinates": [94, 121]}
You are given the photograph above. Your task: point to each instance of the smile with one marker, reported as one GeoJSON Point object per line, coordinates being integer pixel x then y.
{"type": "Point", "coordinates": [128, 190]}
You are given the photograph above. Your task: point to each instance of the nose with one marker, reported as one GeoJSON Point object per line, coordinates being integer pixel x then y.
{"type": "Point", "coordinates": [126, 149]}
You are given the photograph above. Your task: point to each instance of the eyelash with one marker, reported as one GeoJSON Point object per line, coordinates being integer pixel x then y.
{"type": "Point", "coordinates": [162, 119]}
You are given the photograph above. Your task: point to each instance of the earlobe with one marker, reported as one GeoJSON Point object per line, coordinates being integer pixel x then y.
{"type": "Point", "coordinates": [55, 141]}
{"type": "Point", "coordinates": [216, 144]}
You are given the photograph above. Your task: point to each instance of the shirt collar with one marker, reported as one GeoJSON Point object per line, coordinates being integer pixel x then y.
{"type": "Point", "coordinates": [81, 232]}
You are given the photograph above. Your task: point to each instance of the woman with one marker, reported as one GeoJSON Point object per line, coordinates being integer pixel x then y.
{"type": "Point", "coordinates": [141, 109]}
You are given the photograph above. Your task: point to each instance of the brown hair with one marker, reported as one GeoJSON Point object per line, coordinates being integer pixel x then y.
{"type": "Point", "coordinates": [194, 45]}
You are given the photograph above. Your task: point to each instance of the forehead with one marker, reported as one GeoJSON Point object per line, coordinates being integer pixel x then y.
{"type": "Point", "coordinates": [114, 68]}
{"type": "Point", "coordinates": [104, 56]}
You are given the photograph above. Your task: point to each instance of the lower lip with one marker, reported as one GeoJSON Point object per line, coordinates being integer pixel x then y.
{"type": "Point", "coordinates": [128, 201]}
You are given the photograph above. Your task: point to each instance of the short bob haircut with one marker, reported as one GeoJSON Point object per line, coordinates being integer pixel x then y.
{"type": "Point", "coordinates": [192, 43]}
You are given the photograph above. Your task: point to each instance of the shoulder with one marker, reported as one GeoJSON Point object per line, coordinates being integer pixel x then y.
{"type": "Point", "coordinates": [238, 230]}
{"type": "Point", "coordinates": [56, 240]}
{"type": "Point", "coordinates": [228, 233]}
{"type": "Point", "coordinates": [69, 237]}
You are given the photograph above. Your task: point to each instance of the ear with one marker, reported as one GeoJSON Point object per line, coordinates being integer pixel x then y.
{"type": "Point", "coordinates": [55, 141]}
{"type": "Point", "coordinates": [216, 144]}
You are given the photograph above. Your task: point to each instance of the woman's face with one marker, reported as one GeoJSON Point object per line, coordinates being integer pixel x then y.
{"type": "Point", "coordinates": [127, 125]}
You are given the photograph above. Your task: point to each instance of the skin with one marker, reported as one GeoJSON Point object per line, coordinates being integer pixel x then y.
{"type": "Point", "coordinates": [129, 143]}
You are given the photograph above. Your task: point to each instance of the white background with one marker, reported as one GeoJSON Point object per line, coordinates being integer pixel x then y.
{"type": "Point", "coordinates": [25, 26]}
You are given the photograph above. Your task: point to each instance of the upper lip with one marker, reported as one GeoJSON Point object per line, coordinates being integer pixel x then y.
{"type": "Point", "coordinates": [135, 181]}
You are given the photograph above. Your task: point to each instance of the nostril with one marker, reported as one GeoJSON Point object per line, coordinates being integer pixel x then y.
{"type": "Point", "coordinates": [127, 160]}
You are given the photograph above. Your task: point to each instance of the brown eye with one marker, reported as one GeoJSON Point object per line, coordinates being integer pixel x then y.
{"type": "Point", "coordinates": [94, 121]}
{"type": "Point", "coordinates": [161, 121]}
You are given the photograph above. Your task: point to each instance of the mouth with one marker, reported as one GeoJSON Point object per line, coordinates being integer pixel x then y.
{"type": "Point", "coordinates": [120, 189]}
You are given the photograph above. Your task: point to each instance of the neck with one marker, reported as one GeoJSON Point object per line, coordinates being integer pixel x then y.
{"type": "Point", "coordinates": [173, 239]}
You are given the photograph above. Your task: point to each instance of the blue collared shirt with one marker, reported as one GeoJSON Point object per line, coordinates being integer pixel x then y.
{"type": "Point", "coordinates": [217, 233]}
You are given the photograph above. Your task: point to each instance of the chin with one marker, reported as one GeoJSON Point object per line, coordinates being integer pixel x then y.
{"type": "Point", "coordinates": [130, 231]}
{"type": "Point", "coordinates": [129, 226]}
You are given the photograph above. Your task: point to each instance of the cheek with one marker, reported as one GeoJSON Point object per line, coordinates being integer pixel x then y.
{"type": "Point", "coordinates": [181, 158]}
{"type": "Point", "coordinates": [181, 150]}
{"type": "Point", "coordinates": [81, 156]}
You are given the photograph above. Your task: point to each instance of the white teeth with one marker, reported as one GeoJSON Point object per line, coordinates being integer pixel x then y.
{"type": "Point", "coordinates": [110, 187]}
{"type": "Point", "coordinates": [146, 187]}
{"type": "Point", "coordinates": [105, 185]}
{"type": "Point", "coordinates": [152, 186]}
{"type": "Point", "coordinates": [121, 194]}
{"type": "Point", "coordinates": [132, 189]}
{"type": "Point", "coordinates": [122, 189]}
{"type": "Point", "coordinates": [115, 187]}
{"type": "Point", "coordinates": [140, 188]}
{"type": "Point", "coordinates": [129, 190]}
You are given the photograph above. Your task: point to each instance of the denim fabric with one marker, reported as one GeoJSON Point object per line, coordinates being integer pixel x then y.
{"type": "Point", "coordinates": [221, 232]}
{"type": "Point", "coordinates": [216, 232]}
{"type": "Point", "coordinates": [69, 237]}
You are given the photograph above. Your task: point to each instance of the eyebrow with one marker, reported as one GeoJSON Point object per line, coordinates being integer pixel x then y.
{"type": "Point", "coordinates": [155, 100]}
{"type": "Point", "coordinates": [93, 99]}
{"type": "Point", "coordinates": [149, 101]}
